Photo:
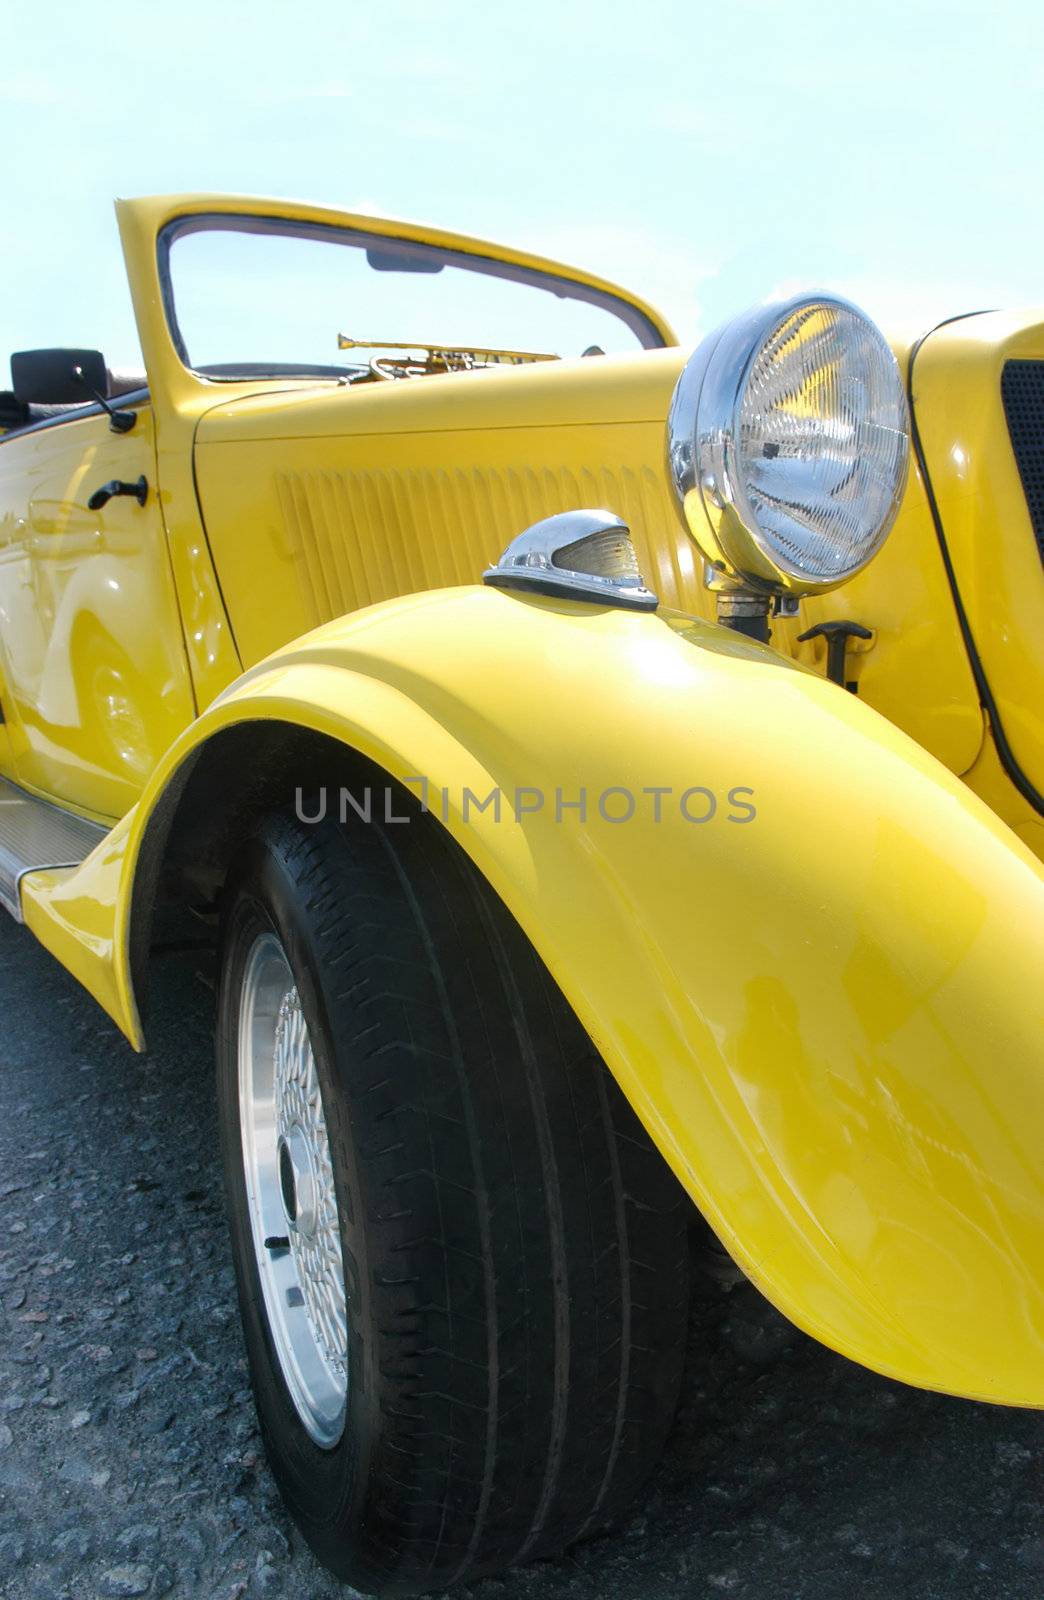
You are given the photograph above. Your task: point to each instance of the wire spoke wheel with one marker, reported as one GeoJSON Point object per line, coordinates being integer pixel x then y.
{"type": "Point", "coordinates": [462, 1266]}
{"type": "Point", "coordinates": [291, 1198]}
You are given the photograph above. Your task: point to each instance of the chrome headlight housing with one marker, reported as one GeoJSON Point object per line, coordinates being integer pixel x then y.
{"type": "Point", "coordinates": [788, 443]}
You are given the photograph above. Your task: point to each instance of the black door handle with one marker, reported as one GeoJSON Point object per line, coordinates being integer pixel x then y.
{"type": "Point", "coordinates": [116, 486]}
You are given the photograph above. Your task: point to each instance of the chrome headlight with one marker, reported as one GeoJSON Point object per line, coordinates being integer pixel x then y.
{"type": "Point", "coordinates": [788, 441]}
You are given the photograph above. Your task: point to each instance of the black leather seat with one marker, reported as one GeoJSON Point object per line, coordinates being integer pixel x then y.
{"type": "Point", "coordinates": [15, 413]}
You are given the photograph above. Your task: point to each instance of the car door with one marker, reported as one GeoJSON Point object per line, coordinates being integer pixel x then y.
{"type": "Point", "coordinates": [95, 682]}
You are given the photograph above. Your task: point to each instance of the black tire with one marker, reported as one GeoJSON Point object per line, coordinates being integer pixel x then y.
{"type": "Point", "coordinates": [515, 1248]}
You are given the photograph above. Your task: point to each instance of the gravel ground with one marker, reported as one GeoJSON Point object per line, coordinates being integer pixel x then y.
{"type": "Point", "coordinates": [129, 1459]}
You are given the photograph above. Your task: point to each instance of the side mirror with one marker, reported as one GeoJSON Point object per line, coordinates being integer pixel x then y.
{"type": "Point", "coordinates": [49, 377]}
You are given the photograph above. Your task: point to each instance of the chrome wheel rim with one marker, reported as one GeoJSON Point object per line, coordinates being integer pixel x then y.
{"type": "Point", "coordinates": [290, 1192]}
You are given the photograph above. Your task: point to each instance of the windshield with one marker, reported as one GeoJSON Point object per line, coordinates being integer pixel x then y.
{"type": "Point", "coordinates": [256, 296]}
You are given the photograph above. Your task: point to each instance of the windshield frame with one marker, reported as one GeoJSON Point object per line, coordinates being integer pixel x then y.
{"type": "Point", "coordinates": [560, 284]}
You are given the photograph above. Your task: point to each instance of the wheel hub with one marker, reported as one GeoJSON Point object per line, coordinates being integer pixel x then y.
{"type": "Point", "coordinates": [297, 1182]}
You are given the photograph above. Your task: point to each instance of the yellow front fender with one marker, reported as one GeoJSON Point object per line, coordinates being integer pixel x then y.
{"type": "Point", "coordinates": [828, 1015]}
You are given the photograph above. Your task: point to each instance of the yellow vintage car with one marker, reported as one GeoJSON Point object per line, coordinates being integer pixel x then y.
{"type": "Point", "coordinates": [611, 777]}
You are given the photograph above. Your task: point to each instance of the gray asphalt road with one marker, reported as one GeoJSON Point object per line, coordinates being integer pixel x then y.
{"type": "Point", "coordinates": [129, 1460]}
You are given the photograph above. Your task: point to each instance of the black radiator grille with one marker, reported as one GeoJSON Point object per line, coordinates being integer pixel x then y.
{"type": "Point", "coordinates": [1022, 390]}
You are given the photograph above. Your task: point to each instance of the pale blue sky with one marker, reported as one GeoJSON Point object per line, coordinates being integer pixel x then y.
{"type": "Point", "coordinates": [704, 155]}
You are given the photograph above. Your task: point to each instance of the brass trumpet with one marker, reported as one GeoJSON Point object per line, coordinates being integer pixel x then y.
{"type": "Point", "coordinates": [439, 358]}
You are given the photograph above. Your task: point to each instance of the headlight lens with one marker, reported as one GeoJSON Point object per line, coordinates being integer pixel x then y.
{"type": "Point", "coordinates": [788, 443]}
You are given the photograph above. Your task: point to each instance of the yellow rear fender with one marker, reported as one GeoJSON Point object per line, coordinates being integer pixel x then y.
{"type": "Point", "coordinates": [811, 957]}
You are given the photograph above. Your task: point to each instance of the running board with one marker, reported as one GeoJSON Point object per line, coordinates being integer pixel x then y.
{"type": "Point", "coordinates": [35, 834]}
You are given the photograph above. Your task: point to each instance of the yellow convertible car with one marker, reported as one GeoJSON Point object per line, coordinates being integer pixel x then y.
{"type": "Point", "coordinates": [612, 779]}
